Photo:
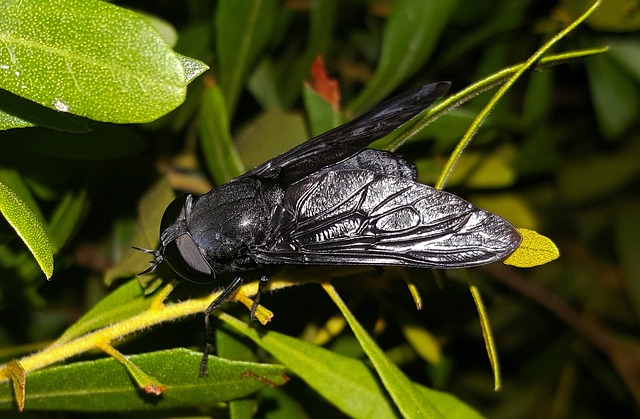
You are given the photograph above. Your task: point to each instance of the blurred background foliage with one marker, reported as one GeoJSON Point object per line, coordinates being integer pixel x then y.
{"type": "Point", "coordinates": [560, 154]}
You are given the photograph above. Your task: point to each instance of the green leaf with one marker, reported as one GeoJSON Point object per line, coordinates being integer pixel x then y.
{"type": "Point", "coordinates": [256, 141]}
{"type": "Point", "coordinates": [615, 97]}
{"type": "Point", "coordinates": [625, 52]}
{"type": "Point", "coordinates": [192, 68]}
{"type": "Point", "coordinates": [243, 29]}
{"type": "Point", "coordinates": [487, 333]}
{"type": "Point", "coordinates": [534, 250]}
{"type": "Point", "coordinates": [164, 27]}
{"type": "Point", "coordinates": [263, 86]}
{"type": "Point", "coordinates": [67, 216]}
{"type": "Point", "coordinates": [104, 385]}
{"type": "Point", "coordinates": [13, 180]}
{"type": "Point", "coordinates": [454, 408]}
{"type": "Point", "coordinates": [322, 117]}
{"type": "Point", "coordinates": [346, 383]}
{"type": "Point", "coordinates": [125, 301]}
{"type": "Point", "coordinates": [411, 128]}
{"type": "Point", "coordinates": [88, 58]}
{"type": "Point", "coordinates": [9, 121]}
{"type": "Point", "coordinates": [28, 227]}
{"type": "Point", "coordinates": [146, 232]}
{"type": "Point", "coordinates": [403, 392]}
{"type": "Point", "coordinates": [219, 150]}
{"type": "Point", "coordinates": [410, 35]}
{"type": "Point", "coordinates": [322, 20]}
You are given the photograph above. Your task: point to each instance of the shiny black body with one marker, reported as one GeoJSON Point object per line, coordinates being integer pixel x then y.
{"type": "Point", "coordinates": [331, 201]}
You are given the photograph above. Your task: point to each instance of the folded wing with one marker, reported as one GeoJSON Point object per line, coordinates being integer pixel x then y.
{"type": "Point", "coordinates": [346, 140]}
{"type": "Point", "coordinates": [378, 219]}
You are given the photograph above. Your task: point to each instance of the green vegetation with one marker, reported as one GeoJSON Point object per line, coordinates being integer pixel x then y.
{"type": "Point", "coordinates": [106, 112]}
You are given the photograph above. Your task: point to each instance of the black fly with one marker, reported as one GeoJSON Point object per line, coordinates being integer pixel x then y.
{"type": "Point", "coordinates": [330, 201]}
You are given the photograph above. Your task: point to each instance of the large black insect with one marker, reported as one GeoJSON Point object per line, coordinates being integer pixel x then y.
{"type": "Point", "coordinates": [330, 201]}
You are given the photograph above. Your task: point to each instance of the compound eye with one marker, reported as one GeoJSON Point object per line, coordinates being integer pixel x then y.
{"type": "Point", "coordinates": [186, 260]}
{"type": "Point", "coordinates": [174, 212]}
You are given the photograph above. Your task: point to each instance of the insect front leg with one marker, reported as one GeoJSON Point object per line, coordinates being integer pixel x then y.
{"type": "Point", "coordinates": [215, 304]}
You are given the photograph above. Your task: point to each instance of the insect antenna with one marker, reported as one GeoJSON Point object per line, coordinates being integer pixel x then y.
{"type": "Point", "coordinates": [157, 260]}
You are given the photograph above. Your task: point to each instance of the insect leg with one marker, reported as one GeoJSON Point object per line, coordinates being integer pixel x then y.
{"type": "Point", "coordinates": [264, 280]}
{"type": "Point", "coordinates": [215, 304]}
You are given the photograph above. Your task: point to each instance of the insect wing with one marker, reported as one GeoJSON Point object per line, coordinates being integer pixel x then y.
{"type": "Point", "coordinates": [339, 143]}
{"type": "Point", "coordinates": [378, 219]}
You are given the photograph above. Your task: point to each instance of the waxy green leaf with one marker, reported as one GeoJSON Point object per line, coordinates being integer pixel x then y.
{"type": "Point", "coordinates": [242, 31]}
{"type": "Point", "coordinates": [88, 58]}
{"type": "Point", "coordinates": [105, 385]}
{"type": "Point", "coordinates": [28, 227]}
{"type": "Point", "coordinates": [410, 35]}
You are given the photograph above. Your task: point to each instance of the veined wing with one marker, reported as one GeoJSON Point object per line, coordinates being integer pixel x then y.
{"type": "Point", "coordinates": [339, 143]}
{"type": "Point", "coordinates": [356, 217]}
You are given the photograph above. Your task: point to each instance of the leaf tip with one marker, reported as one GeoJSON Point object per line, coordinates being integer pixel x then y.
{"type": "Point", "coordinates": [534, 250]}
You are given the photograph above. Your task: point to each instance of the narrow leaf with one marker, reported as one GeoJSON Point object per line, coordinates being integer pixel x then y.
{"type": "Point", "coordinates": [105, 386]}
{"type": "Point", "coordinates": [531, 61]}
{"type": "Point", "coordinates": [146, 232]}
{"type": "Point", "coordinates": [409, 38]}
{"type": "Point", "coordinates": [346, 383]}
{"type": "Point", "coordinates": [66, 217]}
{"type": "Point", "coordinates": [615, 97]}
{"type": "Point", "coordinates": [411, 128]}
{"type": "Point", "coordinates": [487, 335]}
{"type": "Point", "coordinates": [13, 180]}
{"type": "Point", "coordinates": [220, 153]}
{"type": "Point", "coordinates": [255, 142]}
{"type": "Point", "coordinates": [403, 392]}
{"type": "Point", "coordinates": [28, 227]}
{"type": "Point", "coordinates": [321, 115]}
{"type": "Point", "coordinates": [534, 250]}
{"type": "Point", "coordinates": [19, 381]}
{"type": "Point", "coordinates": [145, 382]}
{"type": "Point", "coordinates": [243, 28]}
{"type": "Point", "coordinates": [125, 301]}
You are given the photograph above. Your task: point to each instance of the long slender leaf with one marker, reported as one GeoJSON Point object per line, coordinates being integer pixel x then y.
{"type": "Point", "coordinates": [403, 392]}
{"type": "Point", "coordinates": [220, 153]}
{"type": "Point", "coordinates": [28, 227]}
{"type": "Point", "coordinates": [346, 382]}
{"type": "Point", "coordinates": [413, 29]}
{"type": "Point", "coordinates": [243, 29]}
{"type": "Point", "coordinates": [104, 385]}
{"type": "Point", "coordinates": [322, 20]}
